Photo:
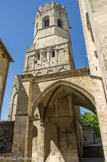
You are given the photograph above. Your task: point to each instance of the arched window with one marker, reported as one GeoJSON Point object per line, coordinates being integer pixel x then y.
{"type": "Point", "coordinates": [59, 23]}
{"type": "Point", "coordinates": [38, 56]}
{"type": "Point", "coordinates": [45, 55]}
{"type": "Point", "coordinates": [53, 53]}
{"type": "Point", "coordinates": [46, 21]}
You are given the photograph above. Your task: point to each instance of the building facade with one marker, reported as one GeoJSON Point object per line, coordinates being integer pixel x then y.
{"type": "Point", "coordinates": [94, 21]}
{"type": "Point", "coordinates": [51, 50]}
{"type": "Point", "coordinates": [5, 60]}
{"type": "Point", "coordinates": [51, 53]}
{"type": "Point", "coordinates": [46, 97]}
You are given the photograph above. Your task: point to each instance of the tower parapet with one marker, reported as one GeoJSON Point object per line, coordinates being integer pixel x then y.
{"type": "Point", "coordinates": [50, 6]}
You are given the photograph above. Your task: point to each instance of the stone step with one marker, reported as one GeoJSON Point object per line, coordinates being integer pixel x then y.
{"type": "Point", "coordinates": [93, 152]}
{"type": "Point", "coordinates": [92, 160]}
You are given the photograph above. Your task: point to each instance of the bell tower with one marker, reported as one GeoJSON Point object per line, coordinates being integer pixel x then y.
{"type": "Point", "coordinates": [51, 51]}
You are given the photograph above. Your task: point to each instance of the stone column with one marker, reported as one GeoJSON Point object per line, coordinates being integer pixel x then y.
{"type": "Point", "coordinates": [73, 149]}
{"type": "Point", "coordinates": [22, 140]}
{"type": "Point", "coordinates": [41, 129]}
{"type": "Point", "coordinates": [101, 109]}
{"type": "Point", "coordinates": [40, 143]}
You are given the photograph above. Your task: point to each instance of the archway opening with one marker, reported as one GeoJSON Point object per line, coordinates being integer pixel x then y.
{"type": "Point", "coordinates": [58, 108]}
{"type": "Point", "coordinates": [91, 136]}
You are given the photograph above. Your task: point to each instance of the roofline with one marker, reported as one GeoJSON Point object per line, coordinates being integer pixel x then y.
{"type": "Point", "coordinates": [6, 51]}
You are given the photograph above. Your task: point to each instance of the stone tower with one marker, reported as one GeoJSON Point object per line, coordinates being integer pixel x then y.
{"type": "Point", "coordinates": [51, 50]}
{"type": "Point", "coordinates": [50, 55]}
{"type": "Point", "coordinates": [46, 97]}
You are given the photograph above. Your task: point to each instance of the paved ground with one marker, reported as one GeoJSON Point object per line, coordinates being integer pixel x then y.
{"type": "Point", "coordinates": [92, 160]}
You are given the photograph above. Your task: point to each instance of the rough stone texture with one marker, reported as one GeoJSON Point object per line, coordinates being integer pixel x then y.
{"type": "Point", "coordinates": [81, 81]}
{"type": "Point", "coordinates": [13, 102]}
{"type": "Point", "coordinates": [94, 21]}
{"type": "Point", "coordinates": [57, 111]}
{"type": "Point", "coordinates": [23, 125]}
{"type": "Point", "coordinates": [6, 136]}
{"type": "Point", "coordinates": [57, 140]}
{"type": "Point", "coordinates": [47, 40]}
{"type": "Point", "coordinates": [77, 77]}
{"type": "Point", "coordinates": [5, 59]}
{"type": "Point", "coordinates": [47, 110]}
{"type": "Point", "coordinates": [63, 136]}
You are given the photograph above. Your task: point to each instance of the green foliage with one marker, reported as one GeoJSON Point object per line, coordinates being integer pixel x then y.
{"type": "Point", "coordinates": [91, 119]}
{"type": "Point", "coordinates": [87, 69]}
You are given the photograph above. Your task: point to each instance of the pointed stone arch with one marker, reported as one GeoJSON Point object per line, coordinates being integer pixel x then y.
{"type": "Point", "coordinates": [54, 86]}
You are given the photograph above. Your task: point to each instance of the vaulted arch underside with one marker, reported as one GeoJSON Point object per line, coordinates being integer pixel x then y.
{"type": "Point", "coordinates": [61, 89]}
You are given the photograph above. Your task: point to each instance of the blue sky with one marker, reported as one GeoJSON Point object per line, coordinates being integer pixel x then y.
{"type": "Point", "coordinates": [16, 31]}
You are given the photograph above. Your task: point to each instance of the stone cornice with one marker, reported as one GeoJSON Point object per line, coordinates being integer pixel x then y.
{"type": "Point", "coordinates": [65, 74]}
{"type": "Point", "coordinates": [25, 78]}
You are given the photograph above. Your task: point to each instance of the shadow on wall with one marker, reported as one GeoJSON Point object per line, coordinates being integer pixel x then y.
{"type": "Point", "coordinates": [55, 155]}
{"type": "Point", "coordinates": [51, 141]}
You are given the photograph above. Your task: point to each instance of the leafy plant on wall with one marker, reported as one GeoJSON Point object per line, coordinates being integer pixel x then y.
{"type": "Point", "coordinates": [90, 119]}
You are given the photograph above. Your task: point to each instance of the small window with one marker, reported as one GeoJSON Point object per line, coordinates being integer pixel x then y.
{"type": "Point", "coordinates": [53, 53]}
{"type": "Point", "coordinates": [3, 56]}
{"type": "Point", "coordinates": [38, 56]}
{"type": "Point", "coordinates": [59, 23]}
{"type": "Point", "coordinates": [46, 22]}
{"type": "Point", "coordinates": [44, 55]}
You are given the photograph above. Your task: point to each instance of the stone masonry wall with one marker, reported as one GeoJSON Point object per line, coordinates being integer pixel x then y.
{"type": "Point", "coordinates": [49, 64]}
{"type": "Point", "coordinates": [6, 136]}
{"type": "Point", "coordinates": [4, 63]}
{"type": "Point", "coordinates": [94, 21]}
{"type": "Point", "coordinates": [99, 27]}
